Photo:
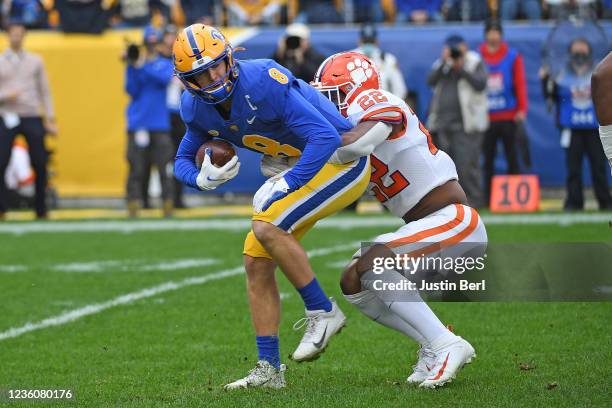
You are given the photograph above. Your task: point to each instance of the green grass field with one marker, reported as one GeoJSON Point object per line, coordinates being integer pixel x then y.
{"type": "Point", "coordinates": [179, 342]}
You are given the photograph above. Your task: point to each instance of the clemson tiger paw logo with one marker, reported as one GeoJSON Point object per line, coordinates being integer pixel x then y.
{"type": "Point", "coordinates": [359, 70]}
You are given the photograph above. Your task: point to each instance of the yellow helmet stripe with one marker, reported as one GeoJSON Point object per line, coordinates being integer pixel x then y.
{"type": "Point", "coordinates": [192, 42]}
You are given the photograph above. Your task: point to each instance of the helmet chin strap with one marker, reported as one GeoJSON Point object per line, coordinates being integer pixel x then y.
{"type": "Point", "coordinates": [211, 98]}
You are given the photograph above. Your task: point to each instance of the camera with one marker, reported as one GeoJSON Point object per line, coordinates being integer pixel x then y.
{"type": "Point", "coordinates": [455, 52]}
{"type": "Point", "coordinates": [132, 53]}
{"type": "Point", "coordinates": [293, 42]}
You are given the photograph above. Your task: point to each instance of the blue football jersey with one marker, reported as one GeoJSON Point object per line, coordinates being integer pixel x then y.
{"type": "Point", "coordinates": [273, 113]}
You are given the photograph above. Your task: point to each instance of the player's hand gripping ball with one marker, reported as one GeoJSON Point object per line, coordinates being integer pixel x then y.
{"type": "Point", "coordinates": [218, 163]}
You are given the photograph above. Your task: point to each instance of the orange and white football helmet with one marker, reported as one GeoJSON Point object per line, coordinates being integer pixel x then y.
{"type": "Point", "coordinates": [345, 75]}
{"type": "Point", "coordinates": [198, 48]}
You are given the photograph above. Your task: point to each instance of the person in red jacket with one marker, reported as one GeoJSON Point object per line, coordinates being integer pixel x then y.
{"type": "Point", "coordinates": [507, 92]}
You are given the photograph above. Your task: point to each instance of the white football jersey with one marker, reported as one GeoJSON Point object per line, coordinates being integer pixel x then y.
{"type": "Point", "coordinates": [407, 165]}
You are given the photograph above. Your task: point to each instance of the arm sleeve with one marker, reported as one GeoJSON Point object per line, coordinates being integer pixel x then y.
{"type": "Point", "coordinates": [477, 79]}
{"type": "Point", "coordinates": [160, 73]}
{"type": "Point", "coordinates": [365, 144]}
{"type": "Point", "coordinates": [45, 92]}
{"type": "Point", "coordinates": [322, 138]}
{"type": "Point", "coordinates": [436, 73]}
{"type": "Point", "coordinates": [132, 81]}
{"type": "Point", "coordinates": [520, 84]}
{"type": "Point", "coordinates": [185, 169]}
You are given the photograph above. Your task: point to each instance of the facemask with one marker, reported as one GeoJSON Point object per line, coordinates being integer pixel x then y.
{"type": "Point", "coordinates": [580, 58]}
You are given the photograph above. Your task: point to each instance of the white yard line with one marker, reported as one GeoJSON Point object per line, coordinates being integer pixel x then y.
{"type": "Point", "coordinates": [352, 246]}
{"type": "Point", "coordinates": [340, 265]}
{"type": "Point", "coordinates": [75, 314]}
{"type": "Point", "coordinates": [284, 295]}
{"type": "Point", "coordinates": [84, 267]}
{"type": "Point", "coordinates": [177, 264]}
{"type": "Point", "coordinates": [13, 268]}
{"type": "Point", "coordinates": [115, 265]}
{"type": "Point", "coordinates": [351, 222]}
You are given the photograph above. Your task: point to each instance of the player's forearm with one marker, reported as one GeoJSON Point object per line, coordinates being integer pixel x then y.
{"type": "Point", "coordinates": [364, 139]}
{"type": "Point", "coordinates": [185, 171]}
{"type": "Point", "coordinates": [316, 153]}
{"type": "Point", "coordinates": [357, 132]}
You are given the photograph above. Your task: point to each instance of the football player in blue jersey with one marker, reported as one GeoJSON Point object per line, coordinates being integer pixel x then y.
{"type": "Point", "coordinates": [259, 105]}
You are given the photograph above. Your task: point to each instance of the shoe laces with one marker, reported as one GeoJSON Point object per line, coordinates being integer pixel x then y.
{"type": "Point", "coordinates": [310, 322]}
{"type": "Point", "coordinates": [424, 355]}
{"type": "Point", "coordinates": [258, 371]}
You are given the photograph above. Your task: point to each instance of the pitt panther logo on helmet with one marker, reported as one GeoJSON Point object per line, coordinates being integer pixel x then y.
{"type": "Point", "coordinates": [198, 48]}
{"type": "Point", "coordinates": [216, 34]}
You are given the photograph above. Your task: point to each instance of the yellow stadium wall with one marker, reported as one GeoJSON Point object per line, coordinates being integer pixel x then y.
{"type": "Point", "coordinates": [87, 80]}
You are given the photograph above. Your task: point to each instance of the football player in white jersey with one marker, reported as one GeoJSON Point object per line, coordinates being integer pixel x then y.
{"type": "Point", "coordinates": [417, 182]}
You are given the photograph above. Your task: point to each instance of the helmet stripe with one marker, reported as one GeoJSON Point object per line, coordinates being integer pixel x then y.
{"type": "Point", "coordinates": [322, 68]}
{"type": "Point", "coordinates": [192, 42]}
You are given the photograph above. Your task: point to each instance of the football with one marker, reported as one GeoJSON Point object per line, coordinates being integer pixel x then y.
{"type": "Point", "coordinates": [221, 152]}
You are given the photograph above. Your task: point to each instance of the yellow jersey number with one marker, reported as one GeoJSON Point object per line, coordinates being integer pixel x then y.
{"type": "Point", "coordinates": [279, 76]}
{"type": "Point", "coordinates": [269, 146]}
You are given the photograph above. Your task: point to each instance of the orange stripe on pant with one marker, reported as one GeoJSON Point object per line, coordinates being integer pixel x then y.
{"type": "Point", "coordinates": [455, 239]}
{"type": "Point", "coordinates": [419, 236]}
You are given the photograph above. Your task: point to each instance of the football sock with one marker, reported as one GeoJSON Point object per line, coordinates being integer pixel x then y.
{"type": "Point", "coordinates": [410, 307]}
{"type": "Point", "coordinates": [375, 309]}
{"type": "Point", "coordinates": [314, 298]}
{"type": "Point", "coordinates": [268, 349]}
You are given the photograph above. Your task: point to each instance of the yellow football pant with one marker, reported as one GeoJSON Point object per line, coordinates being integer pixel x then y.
{"type": "Point", "coordinates": [333, 188]}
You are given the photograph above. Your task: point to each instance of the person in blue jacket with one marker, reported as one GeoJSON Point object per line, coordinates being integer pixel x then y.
{"type": "Point", "coordinates": [148, 119]}
{"type": "Point", "coordinates": [576, 118]}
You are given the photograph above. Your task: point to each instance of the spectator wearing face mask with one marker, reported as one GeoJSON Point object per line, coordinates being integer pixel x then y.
{"type": "Point", "coordinates": [391, 77]}
{"type": "Point", "coordinates": [571, 91]}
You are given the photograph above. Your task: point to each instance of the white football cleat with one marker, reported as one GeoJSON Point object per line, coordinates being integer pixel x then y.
{"type": "Point", "coordinates": [450, 358]}
{"type": "Point", "coordinates": [422, 369]}
{"type": "Point", "coordinates": [320, 327]}
{"type": "Point", "coordinates": [263, 375]}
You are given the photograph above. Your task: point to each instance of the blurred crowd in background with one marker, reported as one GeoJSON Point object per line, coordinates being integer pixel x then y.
{"type": "Point", "coordinates": [94, 16]}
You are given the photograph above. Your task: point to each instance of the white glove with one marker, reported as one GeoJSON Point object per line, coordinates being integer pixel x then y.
{"type": "Point", "coordinates": [272, 166]}
{"type": "Point", "coordinates": [272, 190]}
{"type": "Point", "coordinates": [211, 176]}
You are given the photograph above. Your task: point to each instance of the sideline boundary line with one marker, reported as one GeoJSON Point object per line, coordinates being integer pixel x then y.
{"type": "Point", "coordinates": [236, 225]}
